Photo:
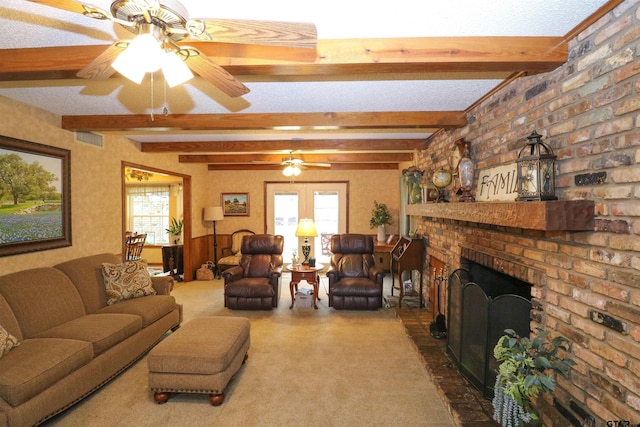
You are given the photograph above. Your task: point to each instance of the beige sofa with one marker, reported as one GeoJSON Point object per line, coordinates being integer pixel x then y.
{"type": "Point", "coordinates": [70, 341]}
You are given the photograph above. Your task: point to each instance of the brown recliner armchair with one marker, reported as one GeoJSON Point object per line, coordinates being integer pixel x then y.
{"type": "Point", "coordinates": [354, 281]}
{"type": "Point", "coordinates": [255, 283]}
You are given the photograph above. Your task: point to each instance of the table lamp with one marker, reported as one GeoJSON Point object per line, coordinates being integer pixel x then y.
{"type": "Point", "coordinates": [306, 228]}
{"type": "Point", "coordinates": [214, 214]}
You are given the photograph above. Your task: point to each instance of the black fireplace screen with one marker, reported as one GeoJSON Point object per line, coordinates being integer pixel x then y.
{"type": "Point", "coordinates": [482, 304]}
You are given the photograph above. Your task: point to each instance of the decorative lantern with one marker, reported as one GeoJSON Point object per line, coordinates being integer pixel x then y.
{"type": "Point", "coordinates": [536, 172]}
{"type": "Point", "coordinates": [465, 172]}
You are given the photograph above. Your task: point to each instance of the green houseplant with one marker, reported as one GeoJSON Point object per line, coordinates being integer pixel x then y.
{"type": "Point", "coordinates": [175, 229]}
{"type": "Point", "coordinates": [526, 369]}
{"type": "Point", "coordinates": [380, 216]}
{"type": "Point", "coordinates": [412, 176]}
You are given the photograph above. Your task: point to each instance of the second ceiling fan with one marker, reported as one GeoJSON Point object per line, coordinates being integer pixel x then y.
{"type": "Point", "coordinates": [293, 165]}
{"type": "Point", "coordinates": [167, 23]}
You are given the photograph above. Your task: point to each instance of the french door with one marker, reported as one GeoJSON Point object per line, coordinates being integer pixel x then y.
{"type": "Point", "coordinates": [325, 203]}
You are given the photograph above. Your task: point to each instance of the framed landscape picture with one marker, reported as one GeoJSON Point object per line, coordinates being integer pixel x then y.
{"type": "Point", "coordinates": [235, 204]}
{"type": "Point", "coordinates": [35, 197]}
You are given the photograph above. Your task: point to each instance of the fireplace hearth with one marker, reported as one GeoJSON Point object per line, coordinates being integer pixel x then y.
{"type": "Point", "coordinates": [482, 303]}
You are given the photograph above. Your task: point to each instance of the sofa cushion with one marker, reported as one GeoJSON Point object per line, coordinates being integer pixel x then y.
{"type": "Point", "coordinates": [8, 320]}
{"type": "Point", "coordinates": [126, 281]}
{"type": "Point", "coordinates": [353, 266]}
{"type": "Point", "coordinates": [7, 341]}
{"type": "Point", "coordinates": [150, 308]}
{"type": "Point", "coordinates": [40, 299]}
{"type": "Point", "coordinates": [37, 364]}
{"type": "Point", "coordinates": [356, 286]}
{"type": "Point", "coordinates": [86, 275]}
{"type": "Point", "coordinates": [103, 331]}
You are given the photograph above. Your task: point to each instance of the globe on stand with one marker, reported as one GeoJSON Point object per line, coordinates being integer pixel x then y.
{"type": "Point", "coordinates": [441, 179]}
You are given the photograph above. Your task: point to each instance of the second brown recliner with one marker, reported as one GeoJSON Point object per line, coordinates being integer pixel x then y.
{"type": "Point", "coordinates": [255, 283]}
{"type": "Point", "coordinates": [355, 283]}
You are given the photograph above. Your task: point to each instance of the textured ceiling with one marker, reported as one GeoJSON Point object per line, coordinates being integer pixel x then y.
{"type": "Point", "coordinates": [26, 24]}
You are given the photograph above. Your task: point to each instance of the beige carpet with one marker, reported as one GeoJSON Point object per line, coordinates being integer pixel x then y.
{"type": "Point", "coordinates": [306, 367]}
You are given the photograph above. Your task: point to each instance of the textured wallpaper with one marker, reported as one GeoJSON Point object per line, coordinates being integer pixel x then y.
{"type": "Point", "coordinates": [96, 188]}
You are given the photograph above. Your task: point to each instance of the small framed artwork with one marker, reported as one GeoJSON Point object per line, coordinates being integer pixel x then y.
{"type": "Point", "coordinates": [35, 197]}
{"type": "Point", "coordinates": [235, 204]}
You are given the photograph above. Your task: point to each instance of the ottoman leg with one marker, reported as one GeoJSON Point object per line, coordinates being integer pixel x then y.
{"type": "Point", "coordinates": [160, 397]}
{"type": "Point", "coordinates": [216, 399]}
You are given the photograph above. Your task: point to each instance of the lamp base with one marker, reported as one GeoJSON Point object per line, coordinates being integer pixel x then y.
{"type": "Point", "coordinates": [306, 251]}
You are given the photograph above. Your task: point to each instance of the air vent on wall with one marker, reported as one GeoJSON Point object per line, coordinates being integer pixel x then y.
{"type": "Point", "coordinates": [90, 138]}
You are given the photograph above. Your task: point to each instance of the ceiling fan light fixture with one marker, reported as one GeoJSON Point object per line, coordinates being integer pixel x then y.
{"type": "Point", "coordinates": [143, 55]}
{"type": "Point", "coordinates": [175, 70]}
{"type": "Point", "coordinates": [128, 69]}
{"type": "Point", "coordinates": [291, 170]}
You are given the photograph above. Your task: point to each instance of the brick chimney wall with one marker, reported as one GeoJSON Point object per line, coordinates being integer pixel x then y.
{"type": "Point", "coordinates": [588, 111]}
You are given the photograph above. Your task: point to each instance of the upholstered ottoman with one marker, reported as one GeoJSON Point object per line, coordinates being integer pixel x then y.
{"type": "Point", "coordinates": [200, 357]}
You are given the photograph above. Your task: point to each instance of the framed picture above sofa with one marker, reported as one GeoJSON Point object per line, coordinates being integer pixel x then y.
{"type": "Point", "coordinates": [35, 197]}
{"type": "Point", "coordinates": [235, 204]}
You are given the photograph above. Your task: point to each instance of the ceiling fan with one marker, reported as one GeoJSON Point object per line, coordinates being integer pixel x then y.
{"type": "Point", "coordinates": [168, 23]}
{"type": "Point", "coordinates": [293, 166]}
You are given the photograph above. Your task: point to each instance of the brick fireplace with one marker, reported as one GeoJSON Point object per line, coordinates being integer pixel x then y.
{"type": "Point", "coordinates": [541, 258]}
{"type": "Point", "coordinates": [585, 279]}
{"type": "Point", "coordinates": [483, 301]}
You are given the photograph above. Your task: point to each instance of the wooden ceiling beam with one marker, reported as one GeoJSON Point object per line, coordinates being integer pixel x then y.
{"type": "Point", "coordinates": [331, 57]}
{"type": "Point", "coordinates": [284, 145]}
{"type": "Point", "coordinates": [333, 167]}
{"type": "Point", "coordinates": [261, 121]}
{"type": "Point", "coordinates": [311, 158]}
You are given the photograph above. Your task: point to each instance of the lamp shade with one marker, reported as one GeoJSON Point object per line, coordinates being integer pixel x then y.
{"type": "Point", "coordinates": [213, 213]}
{"type": "Point", "coordinates": [306, 228]}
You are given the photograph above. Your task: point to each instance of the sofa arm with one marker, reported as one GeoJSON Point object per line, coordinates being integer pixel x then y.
{"type": "Point", "coordinates": [377, 275]}
{"type": "Point", "coordinates": [232, 274]}
{"type": "Point", "coordinates": [275, 275]}
{"type": "Point", "coordinates": [332, 275]}
{"type": "Point", "coordinates": [162, 284]}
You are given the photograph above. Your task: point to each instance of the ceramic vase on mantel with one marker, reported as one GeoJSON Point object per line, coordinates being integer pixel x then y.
{"type": "Point", "coordinates": [382, 233]}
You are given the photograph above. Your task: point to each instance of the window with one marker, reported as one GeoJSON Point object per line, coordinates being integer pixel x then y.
{"type": "Point", "coordinates": [148, 212]}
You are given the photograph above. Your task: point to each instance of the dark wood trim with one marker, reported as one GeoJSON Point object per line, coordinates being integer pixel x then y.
{"type": "Point", "coordinates": [186, 209]}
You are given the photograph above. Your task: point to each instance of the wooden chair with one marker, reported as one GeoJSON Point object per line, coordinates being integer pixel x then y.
{"type": "Point", "coordinates": [231, 255]}
{"type": "Point", "coordinates": [134, 245]}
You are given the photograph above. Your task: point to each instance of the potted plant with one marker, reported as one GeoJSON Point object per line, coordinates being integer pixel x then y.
{"type": "Point", "coordinates": [412, 176]}
{"type": "Point", "coordinates": [380, 216]}
{"type": "Point", "coordinates": [526, 369]}
{"type": "Point", "coordinates": [175, 229]}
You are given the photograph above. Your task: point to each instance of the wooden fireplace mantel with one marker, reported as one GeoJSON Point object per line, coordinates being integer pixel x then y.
{"type": "Point", "coordinates": [556, 215]}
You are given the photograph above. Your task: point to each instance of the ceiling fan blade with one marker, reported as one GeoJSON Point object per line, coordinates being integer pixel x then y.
{"type": "Point", "coordinates": [70, 5]}
{"type": "Point", "coordinates": [264, 162]}
{"type": "Point", "coordinates": [270, 33]}
{"type": "Point", "coordinates": [100, 68]}
{"type": "Point", "coordinates": [213, 73]}
{"type": "Point", "coordinates": [320, 165]}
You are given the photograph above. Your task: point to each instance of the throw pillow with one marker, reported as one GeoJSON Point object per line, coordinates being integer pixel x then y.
{"type": "Point", "coordinates": [126, 281]}
{"type": "Point", "coordinates": [7, 341]}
